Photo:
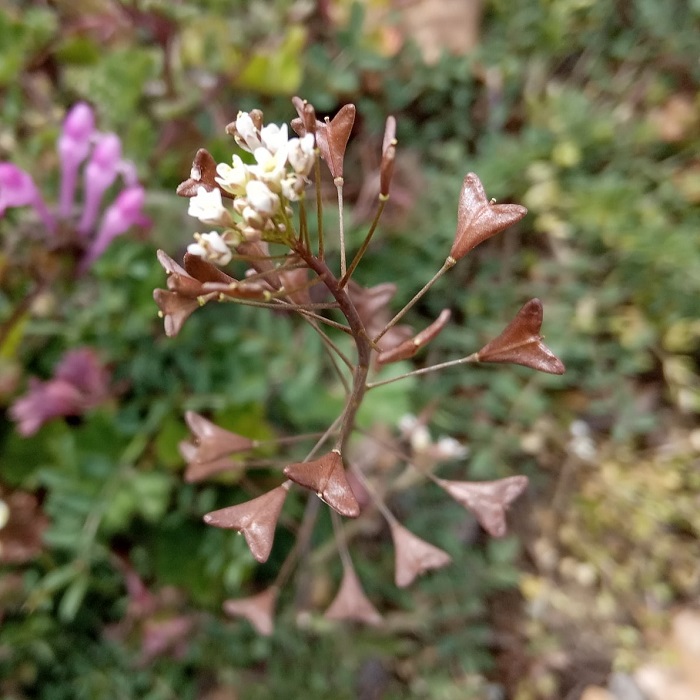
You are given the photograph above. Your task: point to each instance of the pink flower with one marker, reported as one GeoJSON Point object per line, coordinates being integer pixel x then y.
{"type": "Point", "coordinates": [100, 173]}
{"type": "Point", "coordinates": [17, 189]}
{"type": "Point", "coordinates": [73, 147]}
{"type": "Point", "coordinates": [125, 212]}
{"type": "Point", "coordinates": [78, 143]}
{"type": "Point", "coordinates": [80, 382]}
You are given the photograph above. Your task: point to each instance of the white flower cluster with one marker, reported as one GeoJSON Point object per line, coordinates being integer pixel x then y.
{"type": "Point", "coordinates": [261, 191]}
{"type": "Point", "coordinates": [418, 435]}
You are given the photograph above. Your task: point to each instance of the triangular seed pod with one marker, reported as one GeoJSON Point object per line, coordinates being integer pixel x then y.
{"type": "Point", "coordinates": [479, 219]}
{"type": "Point", "coordinates": [326, 476]}
{"type": "Point", "coordinates": [202, 174]}
{"type": "Point", "coordinates": [259, 610]}
{"type": "Point", "coordinates": [410, 347]}
{"type": "Point", "coordinates": [213, 441]}
{"type": "Point", "coordinates": [521, 343]}
{"type": "Point", "coordinates": [414, 556]}
{"type": "Point", "coordinates": [332, 138]}
{"type": "Point", "coordinates": [488, 500]}
{"type": "Point", "coordinates": [204, 271]}
{"type": "Point", "coordinates": [175, 309]}
{"type": "Point", "coordinates": [351, 603]}
{"type": "Point", "coordinates": [197, 471]}
{"type": "Point", "coordinates": [307, 122]}
{"type": "Point", "coordinates": [169, 265]}
{"type": "Point", "coordinates": [256, 519]}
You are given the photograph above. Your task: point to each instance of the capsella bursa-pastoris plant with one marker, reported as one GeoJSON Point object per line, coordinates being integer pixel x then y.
{"type": "Point", "coordinates": [258, 211]}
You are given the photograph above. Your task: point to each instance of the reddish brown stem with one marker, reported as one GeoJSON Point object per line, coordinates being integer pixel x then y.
{"type": "Point", "coordinates": [359, 334]}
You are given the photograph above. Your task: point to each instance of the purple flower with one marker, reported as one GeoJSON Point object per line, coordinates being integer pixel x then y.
{"type": "Point", "coordinates": [17, 189]}
{"type": "Point", "coordinates": [125, 212]}
{"type": "Point", "coordinates": [73, 147]}
{"type": "Point", "coordinates": [80, 382]}
{"type": "Point", "coordinates": [99, 156]}
{"type": "Point", "coordinates": [100, 173]}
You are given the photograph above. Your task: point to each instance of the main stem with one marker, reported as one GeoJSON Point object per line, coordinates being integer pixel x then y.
{"type": "Point", "coordinates": [359, 334]}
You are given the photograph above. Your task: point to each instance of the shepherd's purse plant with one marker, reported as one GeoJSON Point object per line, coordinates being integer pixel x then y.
{"type": "Point", "coordinates": [259, 210]}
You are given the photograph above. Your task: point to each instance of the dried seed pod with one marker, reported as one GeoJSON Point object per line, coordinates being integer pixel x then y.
{"type": "Point", "coordinates": [414, 556]}
{"type": "Point", "coordinates": [176, 309]}
{"type": "Point", "coordinates": [332, 135]}
{"type": "Point", "coordinates": [478, 218]}
{"type": "Point", "coordinates": [332, 138]}
{"type": "Point", "coordinates": [307, 122]}
{"type": "Point", "coordinates": [199, 471]}
{"type": "Point", "coordinates": [256, 519]}
{"type": "Point", "coordinates": [259, 610]}
{"type": "Point", "coordinates": [204, 271]}
{"type": "Point", "coordinates": [521, 343]}
{"type": "Point", "coordinates": [351, 603]}
{"type": "Point", "coordinates": [411, 346]}
{"type": "Point", "coordinates": [488, 500]}
{"type": "Point", "coordinates": [213, 441]}
{"type": "Point", "coordinates": [326, 476]}
{"type": "Point", "coordinates": [185, 292]}
{"type": "Point", "coordinates": [202, 174]}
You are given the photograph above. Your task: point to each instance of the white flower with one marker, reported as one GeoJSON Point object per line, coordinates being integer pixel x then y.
{"type": "Point", "coordinates": [301, 154]}
{"type": "Point", "coordinates": [208, 208]}
{"type": "Point", "coordinates": [420, 438]}
{"type": "Point", "coordinates": [449, 448]}
{"type": "Point", "coordinates": [262, 199]}
{"type": "Point", "coordinates": [292, 187]}
{"type": "Point", "coordinates": [581, 443]}
{"type": "Point", "coordinates": [271, 167]}
{"type": "Point", "coordinates": [246, 133]}
{"type": "Point", "coordinates": [274, 137]}
{"type": "Point", "coordinates": [211, 246]}
{"type": "Point", "coordinates": [407, 423]}
{"type": "Point", "coordinates": [233, 179]}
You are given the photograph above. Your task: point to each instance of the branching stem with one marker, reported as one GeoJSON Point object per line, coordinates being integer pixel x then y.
{"type": "Point", "coordinates": [359, 334]}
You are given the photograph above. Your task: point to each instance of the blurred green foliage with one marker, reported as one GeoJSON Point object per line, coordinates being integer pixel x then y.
{"type": "Point", "coordinates": [583, 110]}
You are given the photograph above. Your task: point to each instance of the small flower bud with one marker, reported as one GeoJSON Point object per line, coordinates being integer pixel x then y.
{"type": "Point", "coordinates": [211, 246]}
{"type": "Point", "coordinates": [261, 199]}
{"type": "Point", "coordinates": [245, 132]}
{"type": "Point", "coordinates": [301, 154]}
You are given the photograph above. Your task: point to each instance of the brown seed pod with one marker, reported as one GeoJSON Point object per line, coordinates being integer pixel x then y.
{"type": "Point", "coordinates": [478, 218]}
{"type": "Point", "coordinates": [326, 476]}
{"type": "Point", "coordinates": [256, 519]}
{"type": "Point", "coordinates": [521, 343]}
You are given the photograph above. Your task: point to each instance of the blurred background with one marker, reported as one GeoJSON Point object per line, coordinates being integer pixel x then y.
{"type": "Point", "coordinates": [585, 111]}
